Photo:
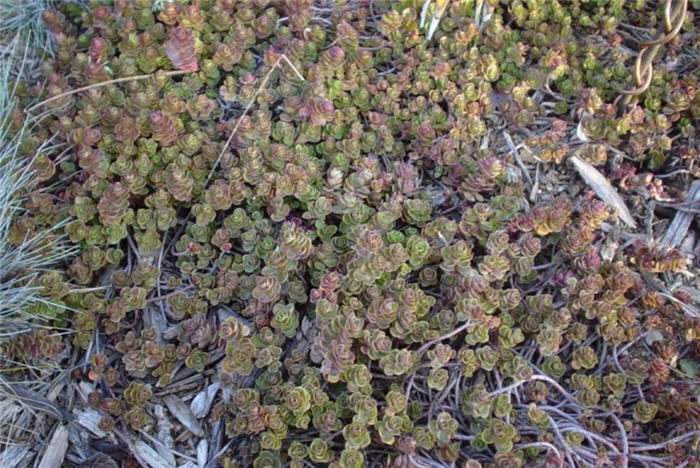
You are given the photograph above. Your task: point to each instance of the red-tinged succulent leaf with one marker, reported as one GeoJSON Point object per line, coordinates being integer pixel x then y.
{"type": "Point", "coordinates": [180, 49]}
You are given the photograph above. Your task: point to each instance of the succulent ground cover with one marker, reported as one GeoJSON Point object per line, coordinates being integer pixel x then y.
{"type": "Point", "coordinates": [302, 234]}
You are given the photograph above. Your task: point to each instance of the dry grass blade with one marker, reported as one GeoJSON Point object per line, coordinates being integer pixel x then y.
{"type": "Point", "coordinates": [604, 189]}
{"type": "Point", "coordinates": [19, 264]}
{"type": "Point", "coordinates": [33, 400]}
{"type": "Point", "coordinates": [516, 156]}
{"type": "Point", "coordinates": [240, 120]}
{"type": "Point", "coordinates": [691, 309]}
{"type": "Point", "coordinates": [253, 99]}
{"type": "Point", "coordinates": [56, 450]}
{"type": "Point", "coordinates": [681, 221]}
{"type": "Point", "coordinates": [21, 20]}
{"type": "Point", "coordinates": [183, 414]}
{"type": "Point", "coordinates": [25, 42]}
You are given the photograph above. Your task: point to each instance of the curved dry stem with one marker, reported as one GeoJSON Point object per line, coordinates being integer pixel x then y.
{"type": "Point", "coordinates": [545, 445]}
{"type": "Point", "coordinates": [663, 445]}
{"type": "Point", "coordinates": [247, 109]}
{"type": "Point", "coordinates": [643, 69]}
{"type": "Point", "coordinates": [454, 332]}
{"type": "Point", "coordinates": [678, 16]}
{"type": "Point", "coordinates": [104, 83]}
{"type": "Point", "coordinates": [645, 83]}
{"type": "Point", "coordinates": [542, 378]}
{"type": "Point", "coordinates": [623, 439]}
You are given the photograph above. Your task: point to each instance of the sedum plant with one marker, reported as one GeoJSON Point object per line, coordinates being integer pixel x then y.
{"type": "Point", "coordinates": [313, 206]}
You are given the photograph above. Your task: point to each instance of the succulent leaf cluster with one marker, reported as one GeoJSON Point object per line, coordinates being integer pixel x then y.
{"type": "Point", "coordinates": [344, 243]}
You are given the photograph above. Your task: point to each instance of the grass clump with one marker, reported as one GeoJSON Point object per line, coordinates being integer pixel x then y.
{"type": "Point", "coordinates": [21, 26]}
{"type": "Point", "coordinates": [32, 321]}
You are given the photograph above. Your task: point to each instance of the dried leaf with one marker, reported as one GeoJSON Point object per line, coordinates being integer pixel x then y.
{"type": "Point", "coordinates": [580, 133]}
{"type": "Point", "coordinates": [147, 456]}
{"type": "Point", "coordinates": [201, 404]}
{"type": "Point", "coordinates": [13, 455]}
{"type": "Point", "coordinates": [157, 320]}
{"type": "Point", "coordinates": [603, 189]}
{"type": "Point", "coordinates": [164, 437]}
{"type": "Point", "coordinates": [167, 454]}
{"type": "Point", "coordinates": [202, 452]}
{"type": "Point", "coordinates": [84, 389]}
{"type": "Point", "coordinates": [653, 336]}
{"type": "Point", "coordinates": [171, 332]}
{"type": "Point", "coordinates": [183, 414]}
{"type": "Point", "coordinates": [90, 420]}
{"type": "Point", "coordinates": [164, 426]}
{"type": "Point", "coordinates": [79, 442]}
{"type": "Point", "coordinates": [180, 49]}
{"type": "Point", "coordinates": [8, 410]}
{"type": "Point", "coordinates": [56, 450]}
